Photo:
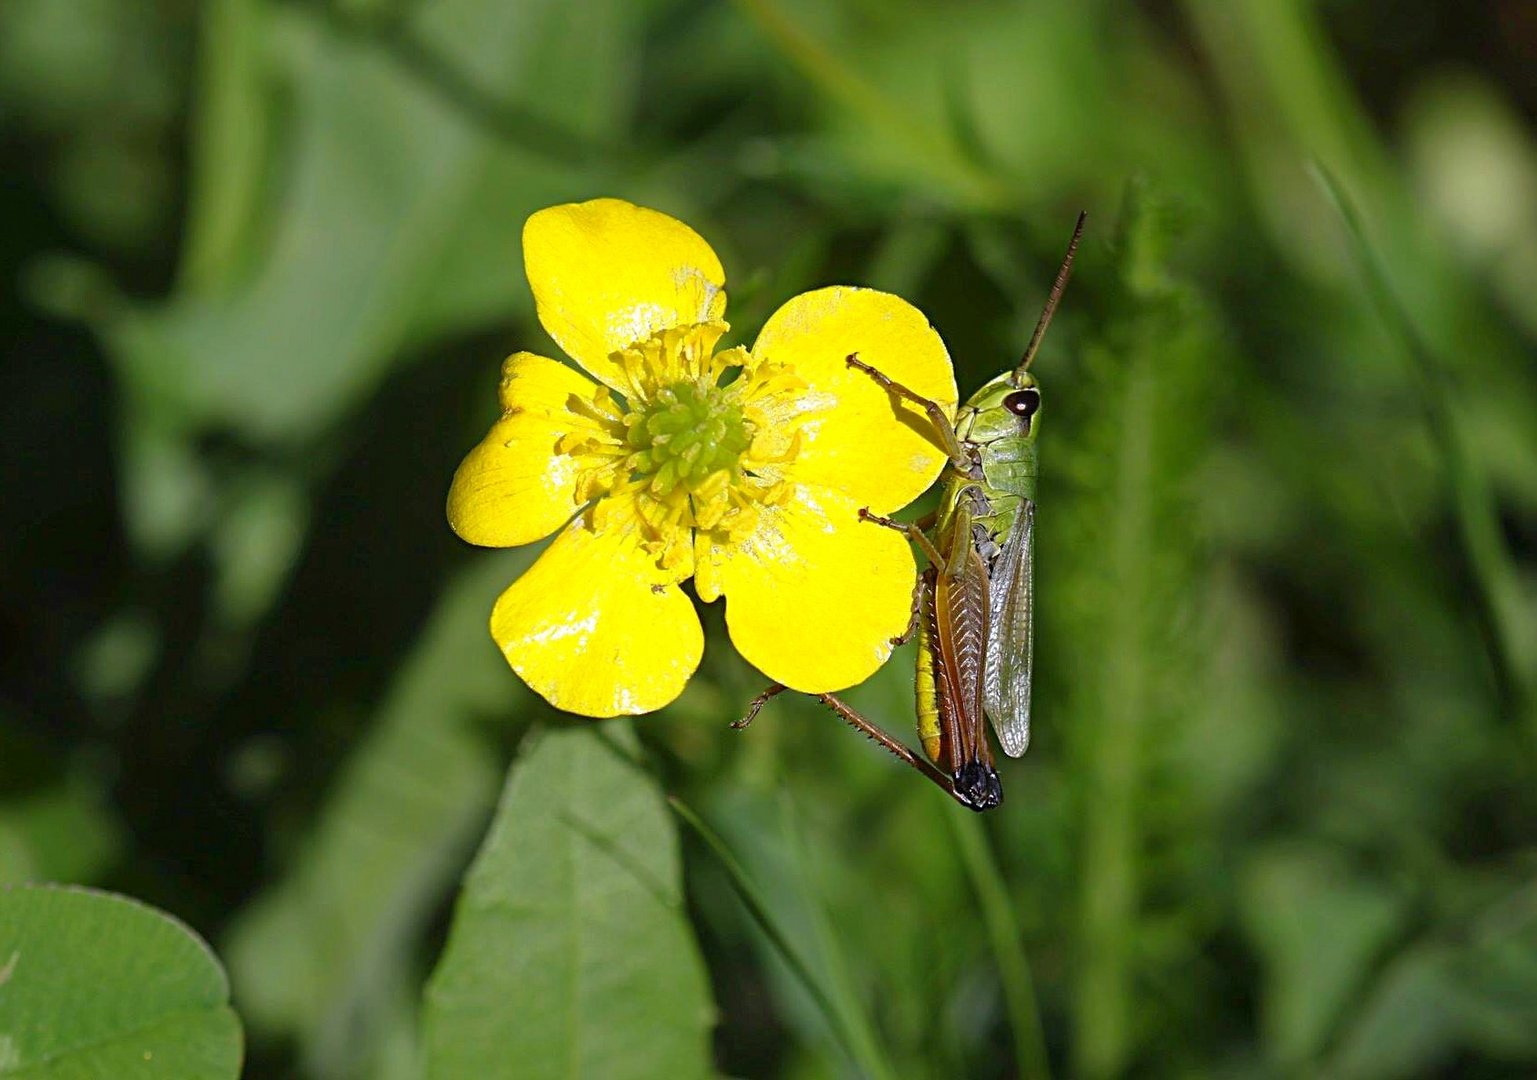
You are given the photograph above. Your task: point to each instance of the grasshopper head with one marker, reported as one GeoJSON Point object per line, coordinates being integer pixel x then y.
{"type": "Point", "coordinates": [1008, 407]}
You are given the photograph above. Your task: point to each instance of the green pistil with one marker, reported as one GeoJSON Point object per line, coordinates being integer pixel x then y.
{"type": "Point", "coordinates": [689, 431]}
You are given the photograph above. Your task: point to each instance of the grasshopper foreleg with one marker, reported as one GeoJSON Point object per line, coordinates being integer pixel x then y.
{"type": "Point", "coordinates": [936, 413]}
{"type": "Point", "coordinates": [909, 530]}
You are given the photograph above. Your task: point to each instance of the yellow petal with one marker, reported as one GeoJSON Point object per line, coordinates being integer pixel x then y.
{"type": "Point", "coordinates": [861, 440]}
{"type": "Point", "coordinates": [514, 487]}
{"type": "Point", "coordinates": [814, 595]}
{"type": "Point", "coordinates": [607, 274]}
{"type": "Point", "coordinates": [596, 629]}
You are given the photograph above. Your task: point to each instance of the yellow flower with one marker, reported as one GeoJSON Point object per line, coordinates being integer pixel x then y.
{"type": "Point", "coordinates": [744, 469]}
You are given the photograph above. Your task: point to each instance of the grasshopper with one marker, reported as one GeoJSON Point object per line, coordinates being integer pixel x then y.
{"type": "Point", "coordinates": [973, 605]}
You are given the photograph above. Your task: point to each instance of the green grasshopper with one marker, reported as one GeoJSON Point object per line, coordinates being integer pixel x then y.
{"type": "Point", "coordinates": [973, 605]}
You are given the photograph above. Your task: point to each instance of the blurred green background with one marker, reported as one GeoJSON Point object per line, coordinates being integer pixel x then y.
{"type": "Point", "coordinates": [261, 264]}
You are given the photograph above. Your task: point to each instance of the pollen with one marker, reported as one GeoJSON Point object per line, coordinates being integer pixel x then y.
{"type": "Point", "coordinates": [688, 439]}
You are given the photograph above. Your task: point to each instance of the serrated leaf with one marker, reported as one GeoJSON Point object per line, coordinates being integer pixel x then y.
{"type": "Point", "coordinates": [571, 954]}
{"type": "Point", "coordinates": [98, 986]}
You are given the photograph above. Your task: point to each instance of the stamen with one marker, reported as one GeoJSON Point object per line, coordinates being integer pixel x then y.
{"type": "Point", "coordinates": [695, 454]}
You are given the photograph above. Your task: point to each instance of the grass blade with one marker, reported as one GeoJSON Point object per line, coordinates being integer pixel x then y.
{"type": "Point", "coordinates": [1498, 599]}
{"type": "Point", "coordinates": [848, 1023]}
{"type": "Point", "coordinates": [1003, 929]}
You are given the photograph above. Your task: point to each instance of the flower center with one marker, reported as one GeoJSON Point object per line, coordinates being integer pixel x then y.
{"type": "Point", "coordinates": [685, 447]}
{"type": "Point", "coordinates": [686, 433]}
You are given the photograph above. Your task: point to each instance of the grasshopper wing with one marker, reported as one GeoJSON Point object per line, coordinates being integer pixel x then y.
{"type": "Point", "coordinates": [1011, 634]}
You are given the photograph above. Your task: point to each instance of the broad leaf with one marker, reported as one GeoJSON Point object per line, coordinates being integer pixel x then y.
{"type": "Point", "coordinates": [571, 954]}
{"type": "Point", "coordinates": [94, 985]}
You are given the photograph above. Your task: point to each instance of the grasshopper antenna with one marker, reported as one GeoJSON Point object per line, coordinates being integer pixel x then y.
{"type": "Point", "coordinates": [1051, 301]}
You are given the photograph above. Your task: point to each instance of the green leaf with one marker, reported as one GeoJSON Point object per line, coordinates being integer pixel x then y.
{"type": "Point", "coordinates": [1003, 928]}
{"type": "Point", "coordinates": [95, 985]}
{"type": "Point", "coordinates": [398, 212]}
{"type": "Point", "coordinates": [62, 833]}
{"type": "Point", "coordinates": [1464, 987]}
{"type": "Point", "coordinates": [1405, 1025]}
{"type": "Point", "coordinates": [570, 953]}
{"type": "Point", "coordinates": [388, 212]}
{"type": "Point", "coordinates": [832, 996]}
{"type": "Point", "coordinates": [319, 955]}
{"type": "Point", "coordinates": [1318, 926]}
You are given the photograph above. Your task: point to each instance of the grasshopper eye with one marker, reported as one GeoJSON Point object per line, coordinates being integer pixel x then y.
{"type": "Point", "coordinates": [1023, 403]}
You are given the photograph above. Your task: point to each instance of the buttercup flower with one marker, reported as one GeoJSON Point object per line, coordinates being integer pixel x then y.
{"type": "Point", "coordinates": [743, 469]}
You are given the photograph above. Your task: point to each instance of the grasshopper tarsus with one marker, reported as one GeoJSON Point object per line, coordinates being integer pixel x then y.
{"type": "Point", "coordinates": [756, 706]}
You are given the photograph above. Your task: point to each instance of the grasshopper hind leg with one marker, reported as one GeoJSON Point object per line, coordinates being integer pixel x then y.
{"type": "Point", "coordinates": [978, 793]}
{"type": "Point", "coordinates": [757, 703]}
